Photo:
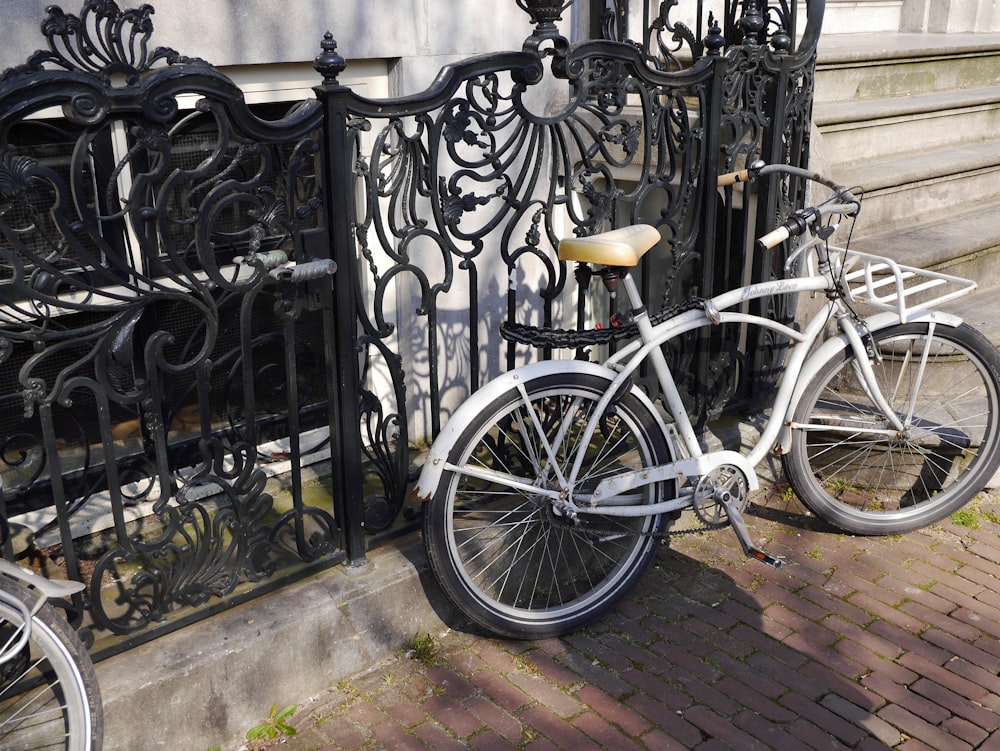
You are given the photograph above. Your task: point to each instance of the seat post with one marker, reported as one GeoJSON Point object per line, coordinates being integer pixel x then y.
{"type": "Point", "coordinates": [635, 301]}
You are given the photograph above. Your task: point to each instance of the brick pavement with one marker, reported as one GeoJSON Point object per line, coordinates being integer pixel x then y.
{"type": "Point", "coordinates": [857, 643]}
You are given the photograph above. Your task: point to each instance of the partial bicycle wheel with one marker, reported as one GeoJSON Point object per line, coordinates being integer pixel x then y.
{"type": "Point", "coordinates": [853, 469]}
{"type": "Point", "coordinates": [497, 542]}
{"type": "Point", "coordinates": [49, 698]}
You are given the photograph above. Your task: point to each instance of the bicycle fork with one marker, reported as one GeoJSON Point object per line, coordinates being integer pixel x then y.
{"type": "Point", "coordinates": [866, 353]}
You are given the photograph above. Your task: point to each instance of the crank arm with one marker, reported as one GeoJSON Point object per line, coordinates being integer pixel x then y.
{"type": "Point", "coordinates": [743, 534]}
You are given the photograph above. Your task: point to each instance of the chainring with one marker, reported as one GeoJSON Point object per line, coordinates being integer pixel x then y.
{"type": "Point", "coordinates": [708, 509]}
{"type": "Point", "coordinates": [707, 504]}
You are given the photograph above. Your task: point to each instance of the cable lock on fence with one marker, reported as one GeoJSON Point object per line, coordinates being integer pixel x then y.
{"type": "Point", "coordinates": [541, 337]}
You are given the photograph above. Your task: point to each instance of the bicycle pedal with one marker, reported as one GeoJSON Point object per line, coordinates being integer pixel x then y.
{"type": "Point", "coordinates": [763, 557]}
{"type": "Point", "coordinates": [743, 535]}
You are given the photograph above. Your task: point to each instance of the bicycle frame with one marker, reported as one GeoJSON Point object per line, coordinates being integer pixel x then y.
{"type": "Point", "coordinates": [689, 460]}
{"type": "Point", "coordinates": [694, 461]}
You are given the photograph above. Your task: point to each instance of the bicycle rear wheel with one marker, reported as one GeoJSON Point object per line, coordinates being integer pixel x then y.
{"type": "Point", "coordinates": [49, 698]}
{"type": "Point", "coordinates": [853, 470]}
{"type": "Point", "coordinates": [502, 553]}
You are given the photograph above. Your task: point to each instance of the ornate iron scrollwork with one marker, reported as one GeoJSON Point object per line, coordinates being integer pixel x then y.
{"type": "Point", "coordinates": [103, 41]}
{"type": "Point", "coordinates": [163, 354]}
{"type": "Point", "coordinates": [138, 321]}
{"type": "Point", "coordinates": [200, 551]}
{"type": "Point", "coordinates": [668, 57]}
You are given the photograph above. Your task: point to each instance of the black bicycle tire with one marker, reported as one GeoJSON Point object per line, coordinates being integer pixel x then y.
{"type": "Point", "coordinates": [528, 624]}
{"type": "Point", "coordinates": [807, 482]}
{"type": "Point", "coordinates": [69, 659]}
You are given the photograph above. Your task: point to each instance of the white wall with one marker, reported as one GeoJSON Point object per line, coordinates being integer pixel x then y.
{"type": "Point", "coordinates": [422, 34]}
{"type": "Point", "coordinates": [862, 16]}
{"type": "Point", "coordinates": [911, 16]}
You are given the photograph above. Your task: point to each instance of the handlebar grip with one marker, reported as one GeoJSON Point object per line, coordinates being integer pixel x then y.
{"type": "Point", "coordinates": [731, 178]}
{"type": "Point", "coordinates": [794, 226]}
{"type": "Point", "coordinates": [774, 237]}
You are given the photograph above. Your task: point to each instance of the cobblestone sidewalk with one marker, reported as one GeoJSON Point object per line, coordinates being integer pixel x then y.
{"type": "Point", "coordinates": [857, 643]}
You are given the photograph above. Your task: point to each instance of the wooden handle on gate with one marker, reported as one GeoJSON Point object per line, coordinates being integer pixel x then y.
{"type": "Point", "coordinates": [731, 178]}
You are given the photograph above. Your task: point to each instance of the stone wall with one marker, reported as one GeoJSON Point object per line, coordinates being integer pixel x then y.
{"type": "Point", "coordinates": [416, 37]}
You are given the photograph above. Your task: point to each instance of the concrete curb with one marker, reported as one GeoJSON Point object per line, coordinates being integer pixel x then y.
{"type": "Point", "coordinates": [204, 687]}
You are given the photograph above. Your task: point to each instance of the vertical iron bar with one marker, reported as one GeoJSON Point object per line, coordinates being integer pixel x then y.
{"type": "Point", "coordinates": [151, 412]}
{"type": "Point", "coordinates": [247, 366]}
{"type": "Point", "coordinates": [59, 499]}
{"type": "Point", "coordinates": [341, 331]}
{"type": "Point", "coordinates": [712, 123]}
{"type": "Point", "coordinates": [777, 100]}
{"type": "Point", "coordinates": [474, 376]}
{"type": "Point", "coordinates": [294, 429]}
{"type": "Point", "coordinates": [6, 547]}
{"type": "Point", "coordinates": [111, 467]}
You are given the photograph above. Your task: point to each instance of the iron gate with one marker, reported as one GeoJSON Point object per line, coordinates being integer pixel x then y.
{"type": "Point", "coordinates": [226, 331]}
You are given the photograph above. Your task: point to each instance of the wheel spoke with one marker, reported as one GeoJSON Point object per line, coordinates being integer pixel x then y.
{"type": "Point", "coordinates": [502, 542]}
{"type": "Point", "coordinates": [851, 466]}
{"type": "Point", "coordinates": [48, 692]}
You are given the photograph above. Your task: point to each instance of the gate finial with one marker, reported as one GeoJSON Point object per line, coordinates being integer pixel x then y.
{"type": "Point", "coordinates": [328, 63]}
{"type": "Point", "coordinates": [544, 14]}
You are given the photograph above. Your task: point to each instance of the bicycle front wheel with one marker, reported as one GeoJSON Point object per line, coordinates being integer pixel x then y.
{"type": "Point", "coordinates": [49, 697]}
{"type": "Point", "coordinates": [854, 470]}
{"type": "Point", "coordinates": [495, 538]}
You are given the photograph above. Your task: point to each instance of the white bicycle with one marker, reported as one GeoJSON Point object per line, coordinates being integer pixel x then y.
{"type": "Point", "coordinates": [49, 697]}
{"type": "Point", "coordinates": [549, 487]}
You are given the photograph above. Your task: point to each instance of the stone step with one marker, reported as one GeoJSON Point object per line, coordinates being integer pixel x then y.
{"type": "Point", "coordinates": [922, 186]}
{"type": "Point", "coordinates": [965, 245]}
{"type": "Point", "coordinates": [958, 244]}
{"type": "Point", "coordinates": [859, 131]}
{"type": "Point", "coordinates": [216, 679]}
{"type": "Point", "coordinates": [912, 118]}
{"type": "Point", "coordinates": [982, 311]}
{"type": "Point", "coordinates": [854, 67]}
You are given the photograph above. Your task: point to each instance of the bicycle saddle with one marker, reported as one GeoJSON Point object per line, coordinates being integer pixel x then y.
{"type": "Point", "coordinates": [618, 247]}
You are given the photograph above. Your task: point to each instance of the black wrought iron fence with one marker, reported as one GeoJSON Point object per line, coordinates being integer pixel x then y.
{"type": "Point", "coordinates": [226, 331]}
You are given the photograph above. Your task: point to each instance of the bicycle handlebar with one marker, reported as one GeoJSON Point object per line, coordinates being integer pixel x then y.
{"type": "Point", "coordinates": [731, 178]}
{"type": "Point", "coordinates": [843, 200]}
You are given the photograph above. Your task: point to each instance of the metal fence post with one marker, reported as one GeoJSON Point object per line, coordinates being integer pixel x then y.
{"type": "Point", "coordinates": [341, 336]}
{"type": "Point", "coordinates": [788, 110]}
{"type": "Point", "coordinates": [712, 256]}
